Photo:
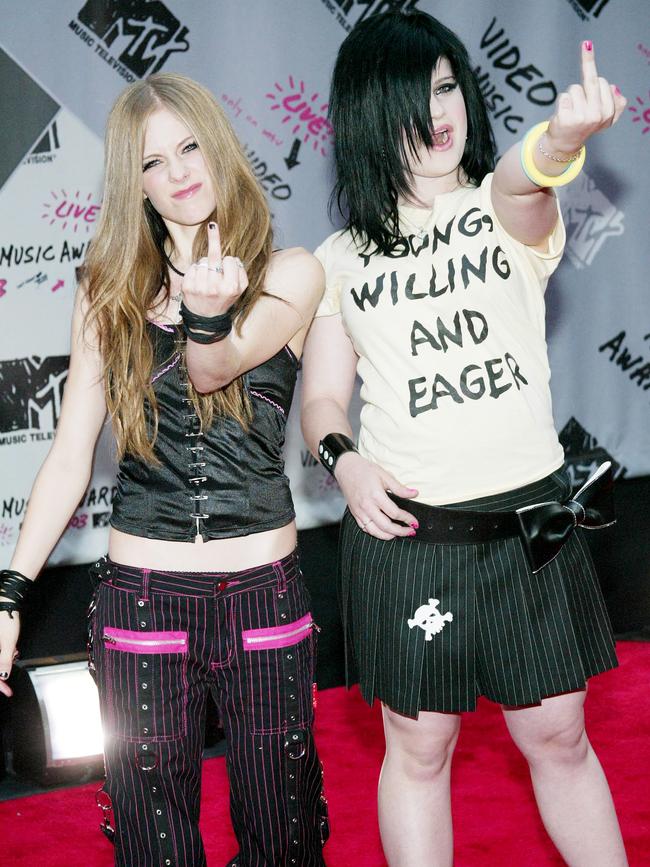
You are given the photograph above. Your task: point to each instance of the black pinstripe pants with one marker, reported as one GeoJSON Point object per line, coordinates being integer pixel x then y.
{"type": "Point", "coordinates": [433, 626]}
{"type": "Point", "coordinates": [161, 642]}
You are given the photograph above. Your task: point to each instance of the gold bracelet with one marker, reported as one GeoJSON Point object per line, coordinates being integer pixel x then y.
{"type": "Point", "coordinates": [535, 175]}
{"type": "Point", "coordinates": [570, 159]}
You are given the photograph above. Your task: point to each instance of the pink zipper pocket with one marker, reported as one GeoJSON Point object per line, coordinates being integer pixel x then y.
{"type": "Point", "coordinates": [278, 636]}
{"type": "Point", "coordinates": [144, 642]}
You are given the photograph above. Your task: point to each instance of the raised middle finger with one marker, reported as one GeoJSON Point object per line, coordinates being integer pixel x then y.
{"type": "Point", "coordinates": [589, 71]}
{"type": "Point", "coordinates": [214, 246]}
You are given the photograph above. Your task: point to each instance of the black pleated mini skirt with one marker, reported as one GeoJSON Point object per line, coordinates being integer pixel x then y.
{"type": "Point", "coordinates": [434, 626]}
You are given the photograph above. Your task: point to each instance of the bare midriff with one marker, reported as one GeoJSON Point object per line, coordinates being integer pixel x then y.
{"type": "Point", "coordinates": [218, 555]}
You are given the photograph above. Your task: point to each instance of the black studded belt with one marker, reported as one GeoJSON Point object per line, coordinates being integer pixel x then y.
{"type": "Point", "coordinates": [542, 527]}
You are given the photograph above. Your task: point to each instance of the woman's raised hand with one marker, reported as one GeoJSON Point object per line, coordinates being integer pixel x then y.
{"type": "Point", "coordinates": [213, 284]}
{"type": "Point", "coordinates": [364, 486]}
{"type": "Point", "coordinates": [584, 109]}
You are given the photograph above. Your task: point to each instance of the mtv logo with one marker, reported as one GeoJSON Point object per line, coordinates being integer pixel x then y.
{"type": "Point", "coordinates": [30, 109]}
{"type": "Point", "coordinates": [595, 7]}
{"type": "Point", "coordinates": [366, 8]}
{"type": "Point", "coordinates": [147, 33]}
{"type": "Point", "coordinates": [31, 391]}
{"type": "Point", "coordinates": [590, 219]}
{"type": "Point", "coordinates": [101, 519]}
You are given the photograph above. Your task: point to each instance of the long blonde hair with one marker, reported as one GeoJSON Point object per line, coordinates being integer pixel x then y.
{"type": "Point", "coordinates": [125, 267]}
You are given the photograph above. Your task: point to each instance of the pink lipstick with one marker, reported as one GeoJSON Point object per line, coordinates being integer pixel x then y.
{"type": "Point", "coordinates": [187, 193]}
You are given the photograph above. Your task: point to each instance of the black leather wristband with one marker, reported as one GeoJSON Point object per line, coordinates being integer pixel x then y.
{"type": "Point", "coordinates": [210, 328]}
{"type": "Point", "coordinates": [331, 447]}
{"type": "Point", "coordinates": [14, 588]}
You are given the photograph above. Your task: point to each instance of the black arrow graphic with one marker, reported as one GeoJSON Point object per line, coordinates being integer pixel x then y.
{"type": "Point", "coordinates": [292, 159]}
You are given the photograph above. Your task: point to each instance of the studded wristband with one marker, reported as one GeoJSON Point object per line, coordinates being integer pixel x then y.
{"type": "Point", "coordinates": [331, 447]}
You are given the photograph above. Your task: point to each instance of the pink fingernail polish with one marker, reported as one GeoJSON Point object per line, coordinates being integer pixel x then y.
{"type": "Point", "coordinates": [588, 44]}
{"type": "Point", "coordinates": [412, 533]}
{"type": "Point", "coordinates": [415, 525]}
{"type": "Point", "coordinates": [617, 89]}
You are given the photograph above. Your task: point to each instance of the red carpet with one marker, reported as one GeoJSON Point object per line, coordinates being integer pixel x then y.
{"type": "Point", "coordinates": [495, 818]}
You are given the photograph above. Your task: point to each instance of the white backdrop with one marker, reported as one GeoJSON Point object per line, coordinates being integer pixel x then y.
{"type": "Point", "coordinates": [62, 64]}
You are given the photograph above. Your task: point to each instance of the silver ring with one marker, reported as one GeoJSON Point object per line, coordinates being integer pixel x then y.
{"type": "Point", "coordinates": [239, 262]}
{"type": "Point", "coordinates": [218, 269]}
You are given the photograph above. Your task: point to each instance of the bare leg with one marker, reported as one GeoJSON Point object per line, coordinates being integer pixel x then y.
{"type": "Point", "coordinates": [570, 787]}
{"type": "Point", "coordinates": [414, 800]}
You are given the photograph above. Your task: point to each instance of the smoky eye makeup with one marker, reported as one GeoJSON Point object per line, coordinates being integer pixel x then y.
{"type": "Point", "coordinates": [445, 87]}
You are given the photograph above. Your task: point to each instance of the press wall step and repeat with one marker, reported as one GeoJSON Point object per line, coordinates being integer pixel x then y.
{"type": "Point", "coordinates": [268, 62]}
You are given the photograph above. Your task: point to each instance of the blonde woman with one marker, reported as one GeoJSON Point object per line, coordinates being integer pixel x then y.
{"type": "Point", "coordinates": [187, 330]}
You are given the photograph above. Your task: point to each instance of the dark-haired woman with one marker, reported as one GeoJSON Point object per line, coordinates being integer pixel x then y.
{"type": "Point", "coordinates": [434, 296]}
{"type": "Point", "coordinates": [188, 333]}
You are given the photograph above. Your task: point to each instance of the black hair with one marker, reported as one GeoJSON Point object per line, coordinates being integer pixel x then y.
{"type": "Point", "coordinates": [380, 110]}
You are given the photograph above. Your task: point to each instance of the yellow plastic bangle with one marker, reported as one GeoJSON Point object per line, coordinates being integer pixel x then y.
{"type": "Point", "coordinates": [534, 174]}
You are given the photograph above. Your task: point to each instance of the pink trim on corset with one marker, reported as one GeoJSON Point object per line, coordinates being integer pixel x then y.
{"type": "Point", "coordinates": [268, 400]}
{"type": "Point", "coordinates": [277, 636]}
{"type": "Point", "coordinates": [169, 328]}
{"type": "Point", "coordinates": [144, 642]}
{"type": "Point", "coordinates": [162, 372]}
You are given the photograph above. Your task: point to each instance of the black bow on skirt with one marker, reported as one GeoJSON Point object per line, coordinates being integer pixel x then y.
{"type": "Point", "coordinates": [545, 527]}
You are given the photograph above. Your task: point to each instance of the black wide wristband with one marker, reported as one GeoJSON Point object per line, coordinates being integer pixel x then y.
{"type": "Point", "coordinates": [210, 328]}
{"type": "Point", "coordinates": [331, 447]}
{"type": "Point", "coordinates": [14, 586]}
{"type": "Point", "coordinates": [201, 337]}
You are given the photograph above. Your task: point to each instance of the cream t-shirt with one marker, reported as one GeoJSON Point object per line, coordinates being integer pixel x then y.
{"type": "Point", "coordinates": [450, 334]}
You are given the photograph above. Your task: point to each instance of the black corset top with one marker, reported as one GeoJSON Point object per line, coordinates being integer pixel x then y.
{"type": "Point", "coordinates": [215, 483]}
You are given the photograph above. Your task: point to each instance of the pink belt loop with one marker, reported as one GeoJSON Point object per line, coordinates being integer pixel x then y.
{"type": "Point", "coordinates": [144, 596]}
{"type": "Point", "coordinates": [280, 575]}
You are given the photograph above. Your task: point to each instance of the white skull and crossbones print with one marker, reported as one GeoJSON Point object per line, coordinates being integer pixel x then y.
{"type": "Point", "coordinates": [428, 617]}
